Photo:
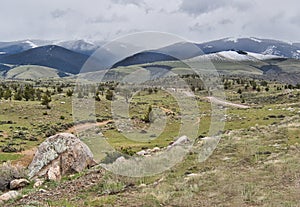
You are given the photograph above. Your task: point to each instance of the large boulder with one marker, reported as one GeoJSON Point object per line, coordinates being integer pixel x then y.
{"type": "Point", "coordinates": [59, 155]}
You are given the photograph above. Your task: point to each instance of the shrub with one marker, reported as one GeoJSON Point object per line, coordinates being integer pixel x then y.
{"type": "Point", "coordinates": [8, 148]}
{"type": "Point", "coordinates": [112, 156]}
{"type": "Point", "coordinates": [9, 172]}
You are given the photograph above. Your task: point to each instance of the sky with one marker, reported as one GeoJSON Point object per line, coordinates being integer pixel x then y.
{"type": "Point", "coordinates": [105, 20]}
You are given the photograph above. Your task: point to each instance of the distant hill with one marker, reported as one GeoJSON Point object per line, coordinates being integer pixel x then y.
{"type": "Point", "coordinates": [265, 47]}
{"type": "Point", "coordinates": [50, 56]}
{"type": "Point", "coordinates": [144, 57]}
{"type": "Point", "coordinates": [33, 72]}
{"type": "Point", "coordinates": [68, 57]}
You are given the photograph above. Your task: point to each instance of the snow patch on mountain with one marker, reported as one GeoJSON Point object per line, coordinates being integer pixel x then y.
{"type": "Point", "coordinates": [296, 54]}
{"type": "Point", "coordinates": [2, 53]}
{"type": "Point", "coordinates": [234, 56]}
{"type": "Point", "coordinates": [31, 44]}
{"type": "Point", "coordinates": [262, 57]}
{"type": "Point", "coordinates": [208, 46]}
{"type": "Point", "coordinates": [255, 39]}
{"type": "Point", "coordinates": [271, 50]}
{"type": "Point", "coordinates": [231, 39]}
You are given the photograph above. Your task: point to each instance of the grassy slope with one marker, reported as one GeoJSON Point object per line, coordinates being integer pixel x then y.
{"type": "Point", "coordinates": [31, 72]}
{"type": "Point", "coordinates": [254, 164]}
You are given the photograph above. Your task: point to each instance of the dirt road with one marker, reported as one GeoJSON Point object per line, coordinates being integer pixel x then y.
{"type": "Point", "coordinates": [226, 103]}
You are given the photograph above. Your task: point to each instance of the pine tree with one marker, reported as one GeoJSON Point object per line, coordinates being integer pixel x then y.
{"type": "Point", "coordinates": [147, 118]}
{"type": "Point", "coordinates": [46, 101]}
{"type": "Point", "coordinates": [109, 95]}
{"type": "Point", "coordinates": [18, 95]}
{"type": "Point", "coordinates": [7, 94]}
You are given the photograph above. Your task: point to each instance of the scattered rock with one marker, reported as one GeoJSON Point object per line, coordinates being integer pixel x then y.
{"type": "Point", "coordinates": [192, 175]}
{"type": "Point", "coordinates": [59, 155]}
{"type": "Point", "coordinates": [42, 190]}
{"type": "Point", "coordinates": [225, 158]}
{"type": "Point", "coordinates": [293, 147]}
{"type": "Point", "coordinates": [120, 159]}
{"type": "Point", "coordinates": [18, 183]}
{"type": "Point", "coordinates": [9, 195]}
{"type": "Point", "coordinates": [38, 183]}
{"type": "Point", "coordinates": [142, 185]}
{"type": "Point", "coordinates": [25, 196]}
{"type": "Point", "coordinates": [155, 149]}
{"type": "Point", "coordinates": [141, 153]}
{"type": "Point", "coordinates": [181, 141]}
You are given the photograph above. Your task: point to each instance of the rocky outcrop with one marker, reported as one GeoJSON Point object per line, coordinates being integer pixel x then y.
{"type": "Point", "coordinates": [59, 155]}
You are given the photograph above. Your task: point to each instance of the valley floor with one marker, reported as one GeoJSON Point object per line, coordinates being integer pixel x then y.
{"type": "Point", "coordinates": [256, 162]}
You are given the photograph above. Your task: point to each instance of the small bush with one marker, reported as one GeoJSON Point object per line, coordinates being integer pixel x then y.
{"type": "Point", "coordinates": [8, 148]}
{"type": "Point", "coordinates": [9, 172]}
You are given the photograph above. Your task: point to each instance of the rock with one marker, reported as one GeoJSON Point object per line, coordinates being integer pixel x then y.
{"type": "Point", "coordinates": [142, 185]}
{"type": "Point", "coordinates": [155, 149]}
{"type": "Point", "coordinates": [60, 155]}
{"type": "Point", "coordinates": [120, 159]}
{"type": "Point", "coordinates": [42, 190]}
{"type": "Point", "coordinates": [18, 183]}
{"type": "Point", "coordinates": [54, 173]}
{"type": "Point", "coordinates": [141, 153]}
{"type": "Point", "coordinates": [9, 195]}
{"type": "Point", "coordinates": [192, 175]}
{"type": "Point", "coordinates": [181, 141]}
{"type": "Point", "coordinates": [38, 183]}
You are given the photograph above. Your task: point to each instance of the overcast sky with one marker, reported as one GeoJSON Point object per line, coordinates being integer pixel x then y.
{"type": "Point", "coordinates": [196, 20]}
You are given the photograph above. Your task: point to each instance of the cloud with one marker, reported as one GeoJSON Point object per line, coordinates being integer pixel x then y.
{"type": "Point", "coordinates": [205, 6]}
{"type": "Point", "coordinates": [135, 2]}
{"type": "Point", "coordinates": [58, 13]}
{"type": "Point", "coordinates": [107, 19]}
{"type": "Point", "coordinates": [199, 20]}
{"type": "Point", "coordinates": [295, 20]}
{"type": "Point", "coordinates": [225, 21]}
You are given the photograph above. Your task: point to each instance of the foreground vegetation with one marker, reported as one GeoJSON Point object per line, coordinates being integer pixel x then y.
{"type": "Point", "coordinates": [255, 163]}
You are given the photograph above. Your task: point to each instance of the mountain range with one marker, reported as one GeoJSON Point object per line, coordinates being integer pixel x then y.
{"type": "Point", "coordinates": [68, 57]}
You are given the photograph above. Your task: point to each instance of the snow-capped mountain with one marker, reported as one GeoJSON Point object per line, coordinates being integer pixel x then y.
{"type": "Point", "coordinates": [116, 54]}
{"type": "Point", "coordinates": [81, 46]}
{"type": "Point", "coordinates": [255, 45]}
{"type": "Point", "coordinates": [223, 49]}
{"type": "Point", "coordinates": [7, 48]}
